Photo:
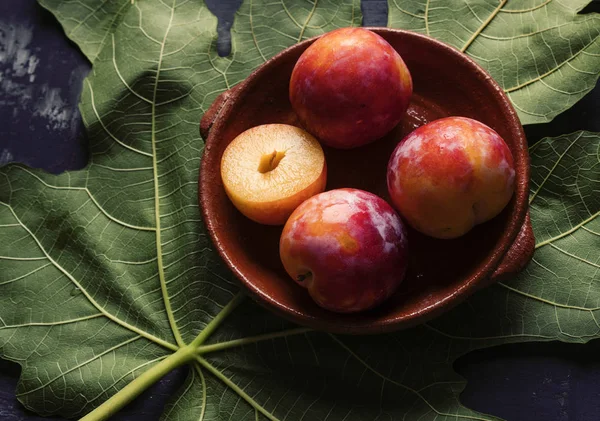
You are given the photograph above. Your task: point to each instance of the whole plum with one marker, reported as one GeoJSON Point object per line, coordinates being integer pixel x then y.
{"type": "Point", "coordinates": [350, 87]}
{"type": "Point", "coordinates": [450, 175]}
{"type": "Point", "coordinates": [348, 247]}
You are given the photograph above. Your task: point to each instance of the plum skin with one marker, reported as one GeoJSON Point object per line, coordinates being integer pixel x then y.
{"type": "Point", "coordinates": [350, 87]}
{"type": "Point", "coordinates": [449, 175]}
{"type": "Point", "coordinates": [348, 247]}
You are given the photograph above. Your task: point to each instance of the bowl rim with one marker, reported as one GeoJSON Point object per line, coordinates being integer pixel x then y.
{"type": "Point", "coordinates": [481, 273]}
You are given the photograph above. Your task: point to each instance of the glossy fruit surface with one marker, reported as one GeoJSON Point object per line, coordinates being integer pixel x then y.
{"type": "Point", "coordinates": [450, 175]}
{"type": "Point", "coordinates": [348, 247]}
{"type": "Point", "coordinates": [350, 87]}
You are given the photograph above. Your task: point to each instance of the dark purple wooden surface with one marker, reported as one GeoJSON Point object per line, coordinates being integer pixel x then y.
{"type": "Point", "coordinates": [40, 82]}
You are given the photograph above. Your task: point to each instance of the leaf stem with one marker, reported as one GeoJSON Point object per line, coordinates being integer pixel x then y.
{"type": "Point", "coordinates": [203, 381]}
{"type": "Point", "coordinates": [483, 26]}
{"type": "Point", "coordinates": [564, 234]}
{"type": "Point", "coordinates": [141, 383]}
{"type": "Point", "coordinates": [159, 252]}
{"type": "Point", "coordinates": [218, 319]}
{"type": "Point", "coordinates": [183, 356]}
{"type": "Point", "coordinates": [250, 340]}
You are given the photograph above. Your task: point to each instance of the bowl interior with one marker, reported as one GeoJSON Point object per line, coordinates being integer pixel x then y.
{"type": "Point", "coordinates": [440, 271]}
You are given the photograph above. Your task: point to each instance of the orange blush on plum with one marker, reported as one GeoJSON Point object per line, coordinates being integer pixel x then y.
{"type": "Point", "coordinates": [347, 247]}
{"type": "Point", "coordinates": [450, 175]}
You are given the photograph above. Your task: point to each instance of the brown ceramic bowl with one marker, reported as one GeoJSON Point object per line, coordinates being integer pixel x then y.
{"type": "Point", "coordinates": [441, 273]}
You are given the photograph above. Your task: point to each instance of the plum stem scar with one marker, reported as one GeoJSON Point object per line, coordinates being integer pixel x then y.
{"type": "Point", "coordinates": [268, 162]}
{"type": "Point", "coordinates": [303, 277]}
